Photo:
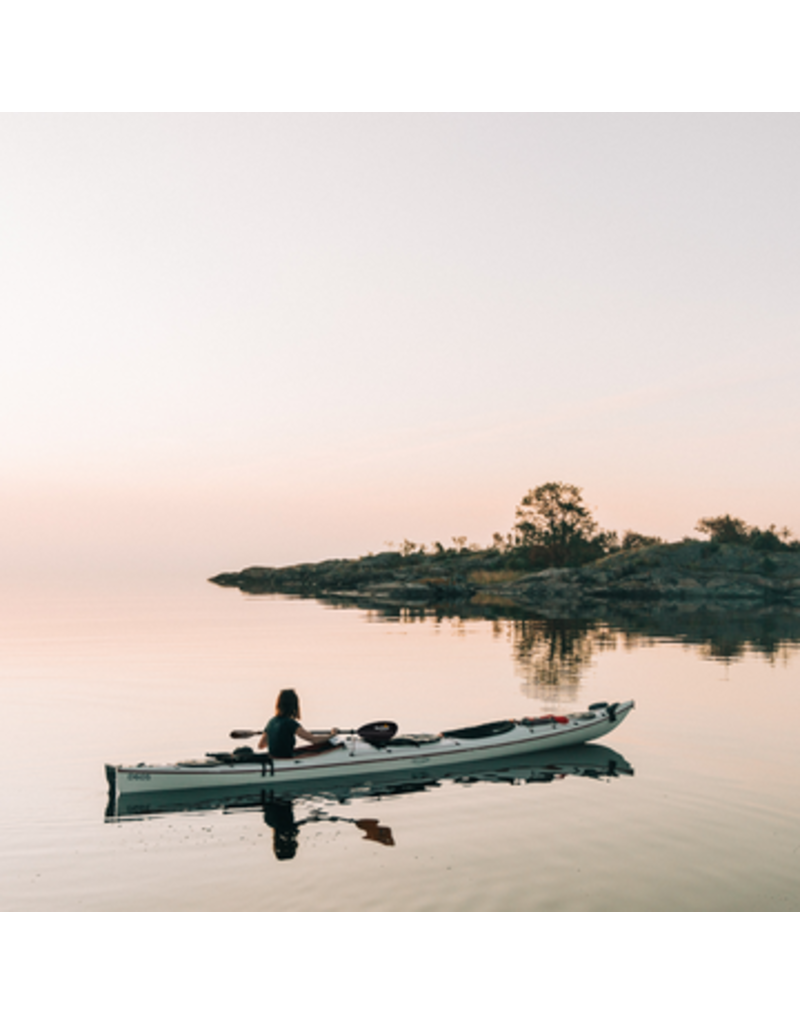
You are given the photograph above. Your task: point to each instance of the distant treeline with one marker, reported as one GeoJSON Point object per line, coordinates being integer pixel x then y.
{"type": "Point", "coordinates": [554, 528]}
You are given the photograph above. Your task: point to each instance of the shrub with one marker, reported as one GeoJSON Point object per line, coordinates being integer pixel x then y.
{"type": "Point", "coordinates": [728, 530]}
{"type": "Point", "coordinates": [724, 529]}
{"type": "Point", "coordinates": [632, 540]}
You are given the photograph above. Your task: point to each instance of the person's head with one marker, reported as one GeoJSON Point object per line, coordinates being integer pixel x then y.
{"type": "Point", "coordinates": [288, 704]}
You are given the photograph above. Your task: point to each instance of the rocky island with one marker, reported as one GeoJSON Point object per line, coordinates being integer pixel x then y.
{"type": "Point", "coordinates": [688, 574]}
{"type": "Point", "coordinates": [557, 562]}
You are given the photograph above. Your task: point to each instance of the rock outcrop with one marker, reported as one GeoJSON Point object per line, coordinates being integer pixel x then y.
{"type": "Point", "coordinates": [686, 575]}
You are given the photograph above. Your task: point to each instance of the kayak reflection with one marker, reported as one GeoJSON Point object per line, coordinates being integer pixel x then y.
{"type": "Point", "coordinates": [278, 802]}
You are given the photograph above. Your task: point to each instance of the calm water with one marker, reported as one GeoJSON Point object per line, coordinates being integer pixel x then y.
{"type": "Point", "coordinates": [702, 815]}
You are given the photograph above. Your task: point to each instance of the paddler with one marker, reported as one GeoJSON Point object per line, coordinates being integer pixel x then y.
{"type": "Point", "coordinates": [281, 730]}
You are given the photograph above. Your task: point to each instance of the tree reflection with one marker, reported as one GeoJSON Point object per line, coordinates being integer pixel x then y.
{"type": "Point", "coordinates": [553, 654]}
{"type": "Point", "coordinates": [729, 637]}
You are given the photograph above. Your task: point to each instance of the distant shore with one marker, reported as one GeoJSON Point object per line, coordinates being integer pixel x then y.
{"type": "Point", "coordinates": [689, 574]}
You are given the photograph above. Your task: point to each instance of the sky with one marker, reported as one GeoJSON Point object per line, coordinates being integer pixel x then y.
{"type": "Point", "coordinates": [263, 339]}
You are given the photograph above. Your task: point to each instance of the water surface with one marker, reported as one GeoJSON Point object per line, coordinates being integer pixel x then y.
{"type": "Point", "coordinates": [709, 819]}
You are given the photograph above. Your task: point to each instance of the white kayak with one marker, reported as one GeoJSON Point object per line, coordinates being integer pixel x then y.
{"type": "Point", "coordinates": [350, 755]}
{"type": "Point", "coordinates": [584, 760]}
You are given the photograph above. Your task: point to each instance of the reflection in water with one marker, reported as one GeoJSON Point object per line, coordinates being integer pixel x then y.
{"type": "Point", "coordinates": [279, 815]}
{"type": "Point", "coordinates": [726, 636]}
{"type": "Point", "coordinates": [553, 654]}
{"type": "Point", "coordinates": [278, 802]}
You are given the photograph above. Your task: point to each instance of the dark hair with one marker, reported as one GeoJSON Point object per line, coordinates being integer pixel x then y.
{"type": "Point", "coordinates": [287, 705]}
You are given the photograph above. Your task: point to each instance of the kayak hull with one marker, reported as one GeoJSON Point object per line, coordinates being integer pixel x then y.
{"type": "Point", "coordinates": [585, 760]}
{"type": "Point", "coordinates": [353, 757]}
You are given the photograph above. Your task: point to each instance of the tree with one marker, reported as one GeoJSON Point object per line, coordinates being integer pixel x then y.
{"type": "Point", "coordinates": [553, 523]}
{"type": "Point", "coordinates": [724, 529]}
{"type": "Point", "coordinates": [728, 530]}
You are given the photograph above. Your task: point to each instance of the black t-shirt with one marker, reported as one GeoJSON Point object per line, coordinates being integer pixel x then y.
{"type": "Point", "coordinates": [280, 735]}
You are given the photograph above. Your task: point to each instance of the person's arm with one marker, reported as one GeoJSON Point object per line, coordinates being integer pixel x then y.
{"type": "Point", "coordinates": [315, 737]}
{"type": "Point", "coordinates": [262, 741]}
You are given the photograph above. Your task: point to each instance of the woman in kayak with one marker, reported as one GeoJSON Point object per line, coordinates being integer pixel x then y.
{"type": "Point", "coordinates": [281, 730]}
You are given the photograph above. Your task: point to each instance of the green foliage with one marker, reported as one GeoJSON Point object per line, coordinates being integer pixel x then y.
{"type": "Point", "coordinates": [768, 540]}
{"type": "Point", "coordinates": [555, 528]}
{"type": "Point", "coordinates": [724, 529]}
{"type": "Point", "coordinates": [729, 530]}
{"type": "Point", "coordinates": [632, 540]}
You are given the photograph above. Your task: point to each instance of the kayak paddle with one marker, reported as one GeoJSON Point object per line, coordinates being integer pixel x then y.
{"type": "Point", "coordinates": [373, 732]}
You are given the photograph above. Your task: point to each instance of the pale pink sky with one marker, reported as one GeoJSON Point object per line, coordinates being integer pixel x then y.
{"type": "Point", "coordinates": [239, 339]}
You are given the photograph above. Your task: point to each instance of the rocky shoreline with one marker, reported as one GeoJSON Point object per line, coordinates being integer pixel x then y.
{"type": "Point", "coordinates": [687, 575]}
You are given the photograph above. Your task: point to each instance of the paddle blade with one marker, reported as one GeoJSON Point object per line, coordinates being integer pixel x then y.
{"type": "Point", "coordinates": [244, 734]}
{"type": "Point", "coordinates": [378, 733]}
{"type": "Point", "coordinates": [376, 832]}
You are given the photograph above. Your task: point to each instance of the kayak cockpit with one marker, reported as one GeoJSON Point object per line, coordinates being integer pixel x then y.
{"type": "Point", "coordinates": [480, 732]}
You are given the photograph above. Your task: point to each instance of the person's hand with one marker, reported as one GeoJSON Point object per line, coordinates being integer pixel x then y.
{"type": "Point", "coordinates": [334, 731]}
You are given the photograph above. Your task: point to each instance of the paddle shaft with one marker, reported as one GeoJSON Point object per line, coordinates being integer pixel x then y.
{"type": "Point", "coordinates": [246, 734]}
{"type": "Point", "coordinates": [372, 732]}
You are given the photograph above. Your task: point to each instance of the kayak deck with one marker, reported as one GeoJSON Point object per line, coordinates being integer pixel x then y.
{"type": "Point", "coordinates": [352, 756]}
